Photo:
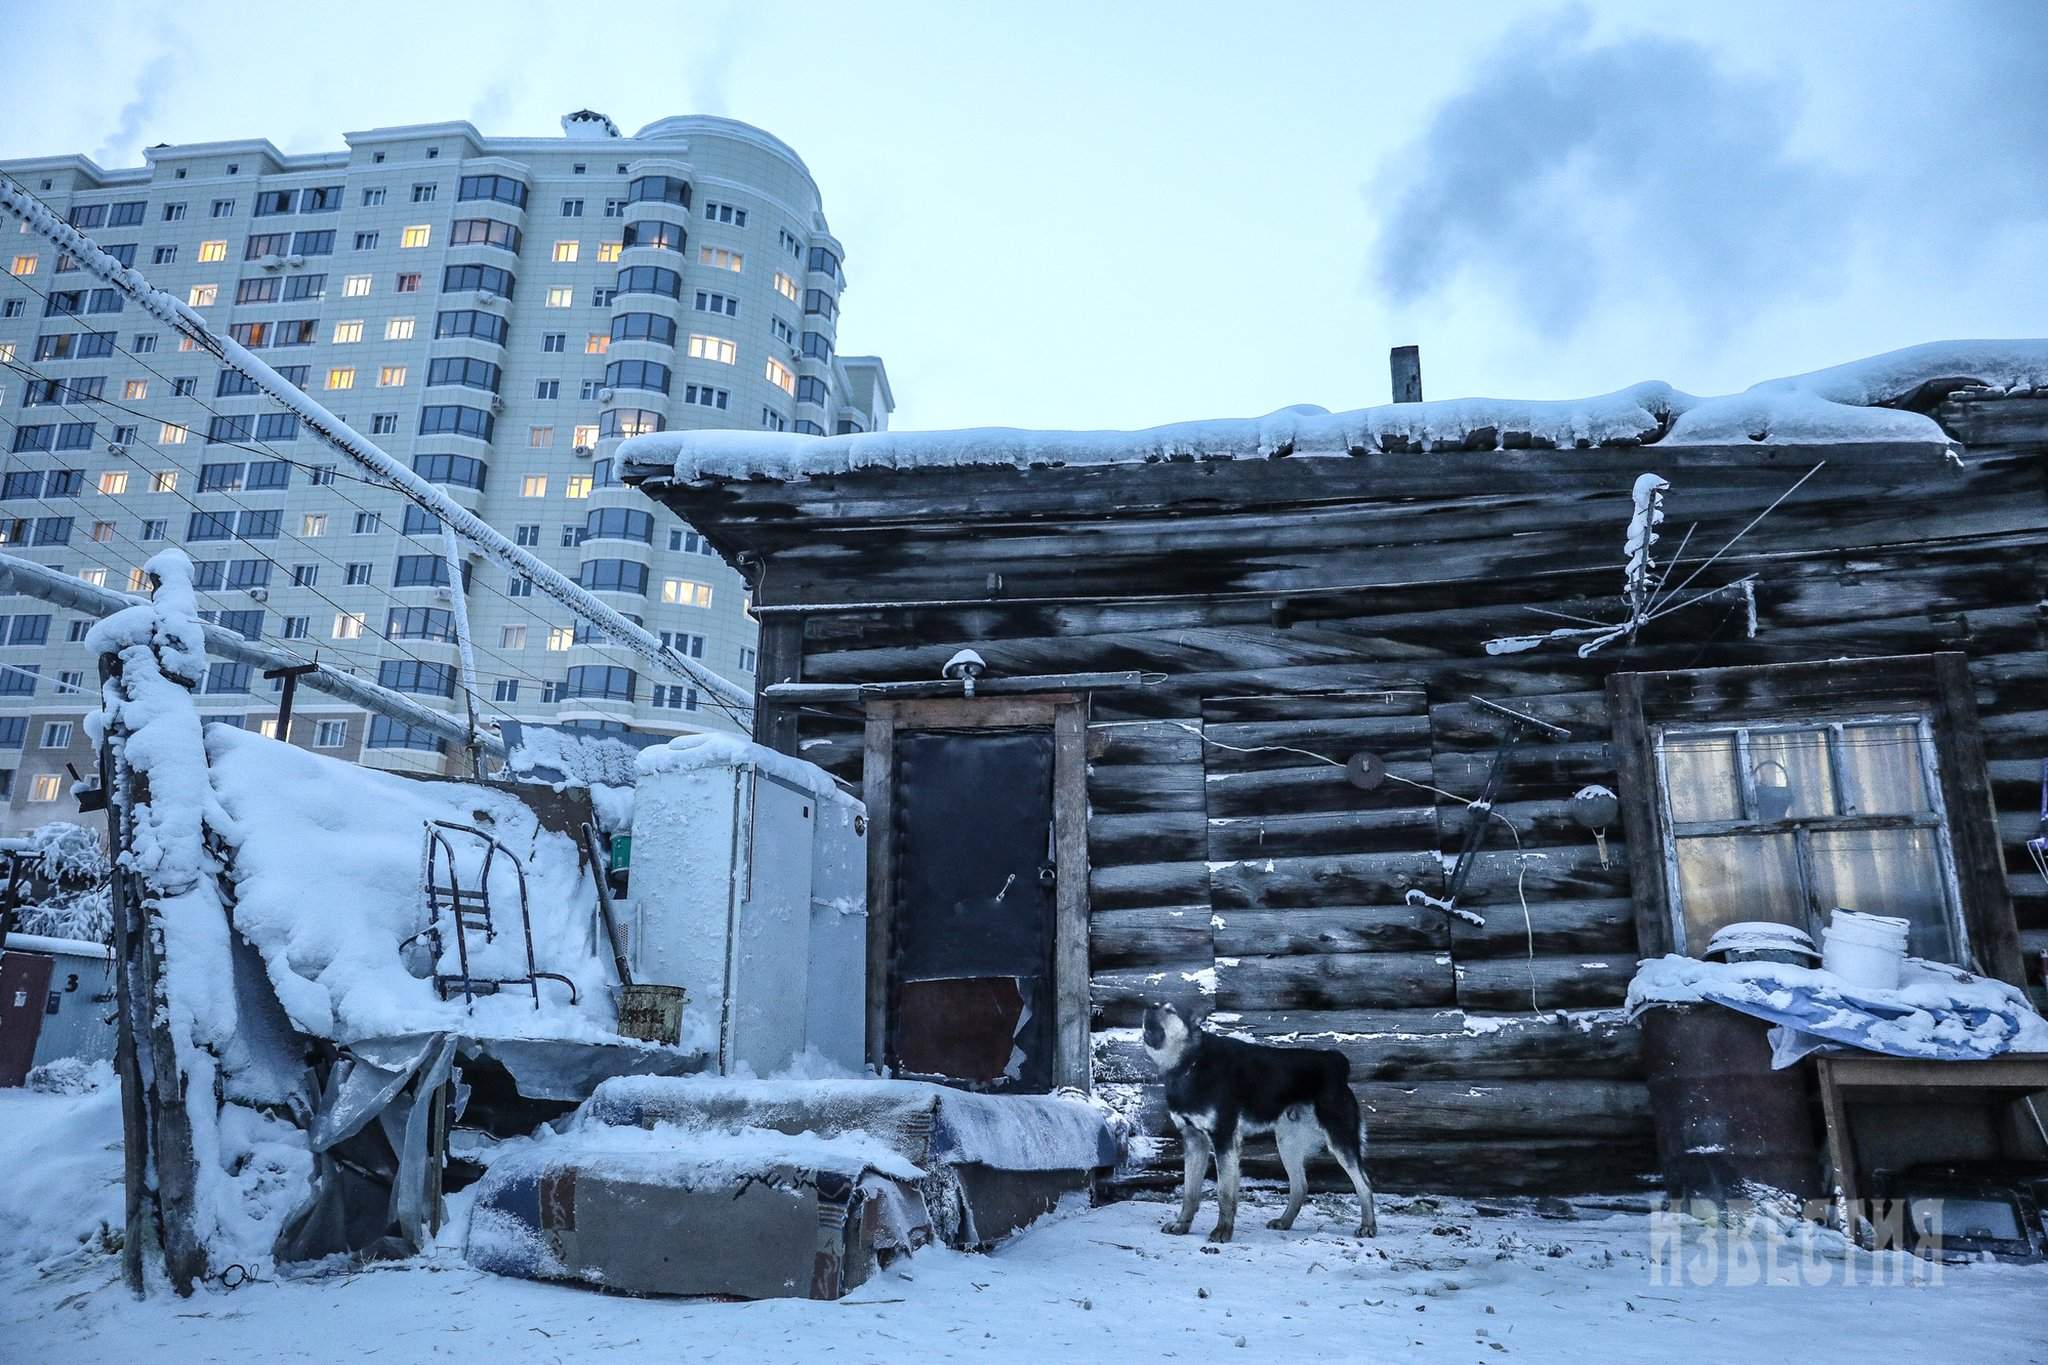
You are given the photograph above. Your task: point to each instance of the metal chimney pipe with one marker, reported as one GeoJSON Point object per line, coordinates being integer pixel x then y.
{"type": "Point", "coordinates": [1405, 362]}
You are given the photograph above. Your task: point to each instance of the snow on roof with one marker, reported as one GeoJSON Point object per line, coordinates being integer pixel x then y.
{"type": "Point", "coordinates": [1842, 404]}
{"type": "Point", "coordinates": [689, 753]}
{"type": "Point", "coordinates": [326, 868]}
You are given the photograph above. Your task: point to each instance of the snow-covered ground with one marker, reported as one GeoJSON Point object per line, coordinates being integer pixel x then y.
{"type": "Point", "coordinates": [1445, 1281]}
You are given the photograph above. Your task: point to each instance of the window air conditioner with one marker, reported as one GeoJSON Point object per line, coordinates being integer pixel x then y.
{"type": "Point", "coordinates": [582, 452]}
{"type": "Point", "coordinates": [486, 296]}
{"type": "Point", "coordinates": [259, 594]}
{"type": "Point", "coordinates": [116, 448]}
{"type": "Point", "coordinates": [606, 395]}
{"type": "Point", "coordinates": [295, 260]}
{"type": "Point", "coordinates": [271, 261]}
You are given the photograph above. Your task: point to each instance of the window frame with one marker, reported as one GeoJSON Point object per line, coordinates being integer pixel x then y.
{"type": "Point", "coordinates": [1643, 706]}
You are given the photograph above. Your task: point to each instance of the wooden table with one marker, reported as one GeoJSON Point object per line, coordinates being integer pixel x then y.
{"type": "Point", "coordinates": [1867, 1075]}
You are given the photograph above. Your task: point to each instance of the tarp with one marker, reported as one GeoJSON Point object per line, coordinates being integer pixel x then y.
{"type": "Point", "coordinates": [1938, 1012]}
{"type": "Point", "coordinates": [374, 1198]}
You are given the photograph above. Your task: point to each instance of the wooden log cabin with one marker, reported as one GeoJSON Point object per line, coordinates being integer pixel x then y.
{"type": "Point", "coordinates": [1270, 688]}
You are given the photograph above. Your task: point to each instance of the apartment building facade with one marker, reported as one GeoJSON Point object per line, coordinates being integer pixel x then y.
{"type": "Point", "coordinates": [497, 313]}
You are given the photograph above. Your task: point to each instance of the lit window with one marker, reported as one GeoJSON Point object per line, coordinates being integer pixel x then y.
{"type": "Point", "coordinates": [419, 235]}
{"type": "Point", "coordinates": [26, 265]}
{"type": "Point", "coordinates": [779, 375]}
{"type": "Point", "coordinates": [202, 295]}
{"type": "Point", "coordinates": [46, 786]}
{"type": "Point", "coordinates": [138, 580]}
{"type": "Point", "coordinates": [561, 637]}
{"type": "Point", "coordinates": [608, 251]}
{"type": "Point", "coordinates": [348, 625]}
{"type": "Point", "coordinates": [314, 524]}
{"type": "Point", "coordinates": [540, 437]}
{"type": "Point", "coordinates": [114, 481]}
{"type": "Point", "coordinates": [96, 577]}
{"type": "Point", "coordinates": [398, 329]}
{"type": "Point", "coordinates": [134, 389]}
{"type": "Point", "coordinates": [534, 486]}
{"type": "Point", "coordinates": [719, 257]}
{"type": "Point", "coordinates": [566, 251]}
{"type": "Point", "coordinates": [391, 377]}
{"type": "Point", "coordinates": [704, 347]}
{"type": "Point", "coordinates": [597, 343]}
{"type": "Point", "coordinates": [341, 379]}
{"type": "Point", "coordinates": [165, 480]}
{"type": "Point", "coordinates": [511, 637]}
{"type": "Point", "coordinates": [356, 287]}
{"type": "Point", "coordinates": [578, 486]}
{"type": "Point", "coordinates": [7, 350]}
{"type": "Point", "coordinates": [171, 435]}
{"type": "Point", "coordinates": [103, 531]}
{"type": "Point", "coordinates": [267, 727]}
{"type": "Point", "coordinates": [563, 296]}
{"type": "Point", "coordinates": [785, 286]}
{"type": "Point", "coordinates": [585, 436]}
{"type": "Point", "coordinates": [213, 251]}
{"type": "Point", "coordinates": [683, 592]}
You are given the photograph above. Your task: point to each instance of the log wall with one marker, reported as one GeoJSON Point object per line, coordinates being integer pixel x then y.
{"type": "Point", "coordinates": [1299, 615]}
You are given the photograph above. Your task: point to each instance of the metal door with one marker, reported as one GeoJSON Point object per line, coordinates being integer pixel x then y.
{"type": "Point", "coordinates": [24, 996]}
{"type": "Point", "coordinates": [972, 978]}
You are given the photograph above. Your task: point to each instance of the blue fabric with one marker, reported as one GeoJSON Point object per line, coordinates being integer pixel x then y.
{"type": "Point", "coordinates": [1938, 1013]}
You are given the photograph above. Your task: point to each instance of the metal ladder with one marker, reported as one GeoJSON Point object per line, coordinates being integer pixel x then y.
{"type": "Point", "coordinates": [470, 912]}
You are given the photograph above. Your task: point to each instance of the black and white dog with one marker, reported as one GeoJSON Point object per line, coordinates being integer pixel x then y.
{"type": "Point", "coordinates": [1219, 1091]}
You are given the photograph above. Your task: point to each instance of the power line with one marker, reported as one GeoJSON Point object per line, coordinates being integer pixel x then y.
{"type": "Point", "coordinates": [327, 427]}
{"type": "Point", "coordinates": [264, 449]}
{"type": "Point", "coordinates": [276, 564]}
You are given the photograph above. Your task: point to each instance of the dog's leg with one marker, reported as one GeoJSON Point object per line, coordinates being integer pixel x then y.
{"type": "Point", "coordinates": [1227, 1153]}
{"type": "Point", "coordinates": [1194, 1148]}
{"type": "Point", "coordinates": [1296, 1136]}
{"type": "Point", "coordinates": [1349, 1157]}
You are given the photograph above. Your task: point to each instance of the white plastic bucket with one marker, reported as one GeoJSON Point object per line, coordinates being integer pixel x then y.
{"type": "Point", "coordinates": [1865, 950]}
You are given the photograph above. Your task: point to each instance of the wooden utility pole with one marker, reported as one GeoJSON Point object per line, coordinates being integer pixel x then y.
{"type": "Point", "coordinates": [127, 991]}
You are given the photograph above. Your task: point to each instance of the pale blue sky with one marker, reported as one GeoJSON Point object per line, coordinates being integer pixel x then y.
{"type": "Point", "coordinates": [1115, 215]}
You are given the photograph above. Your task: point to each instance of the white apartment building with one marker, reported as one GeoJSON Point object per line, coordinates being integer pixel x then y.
{"type": "Point", "coordinates": [496, 312]}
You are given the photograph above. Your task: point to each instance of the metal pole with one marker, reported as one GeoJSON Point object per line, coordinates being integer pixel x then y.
{"type": "Point", "coordinates": [39, 580]}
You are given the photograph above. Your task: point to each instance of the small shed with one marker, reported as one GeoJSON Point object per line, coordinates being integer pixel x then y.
{"type": "Point", "coordinates": [1408, 731]}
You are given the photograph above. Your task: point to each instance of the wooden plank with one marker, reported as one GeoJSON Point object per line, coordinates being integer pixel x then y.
{"type": "Point", "coordinates": [1118, 996]}
{"type": "Point", "coordinates": [1148, 884]}
{"type": "Point", "coordinates": [1150, 938]}
{"type": "Point", "coordinates": [1312, 832]}
{"type": "Point", "coordinates": [1070, 893]}
{"type": "Point", "coordinates": [1501, 1049]}
{"type": "Point", "coordinates": [1331, 929]}
{"type": "Point", "coordinates": [1303, 790]}
{"type": "Point", "coordinates": [1169, 836]}
{"type": "Point", "coordinates": [1123, 788]}
{"type": "Point", "coordinates": [878, 778]}
{"type": "Point", "coordinates": [1601, 925]}
{"type": "Point", "coordinates": [1641, 815]}
{"type": "Point", "coordinates": [780, 660]}
{"type": "Point", "coordinates": [1158, 741]}
{"type": "Point", "coordinates": [1342, 879]}
{"type": "Point", "coordinates": [1547, 982]}
{"type": "Point", "coordinates": [1376, 980]}
{"type": "Point", "coordinates": [1973, 822]}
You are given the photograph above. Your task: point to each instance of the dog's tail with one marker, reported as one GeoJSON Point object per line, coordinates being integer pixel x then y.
{"type": "Point", "coordinates": [1337, 1108]}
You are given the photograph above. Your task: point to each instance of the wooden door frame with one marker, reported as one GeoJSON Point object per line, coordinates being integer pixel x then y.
{"type": "Point", "coordinates": [1066, 715]}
